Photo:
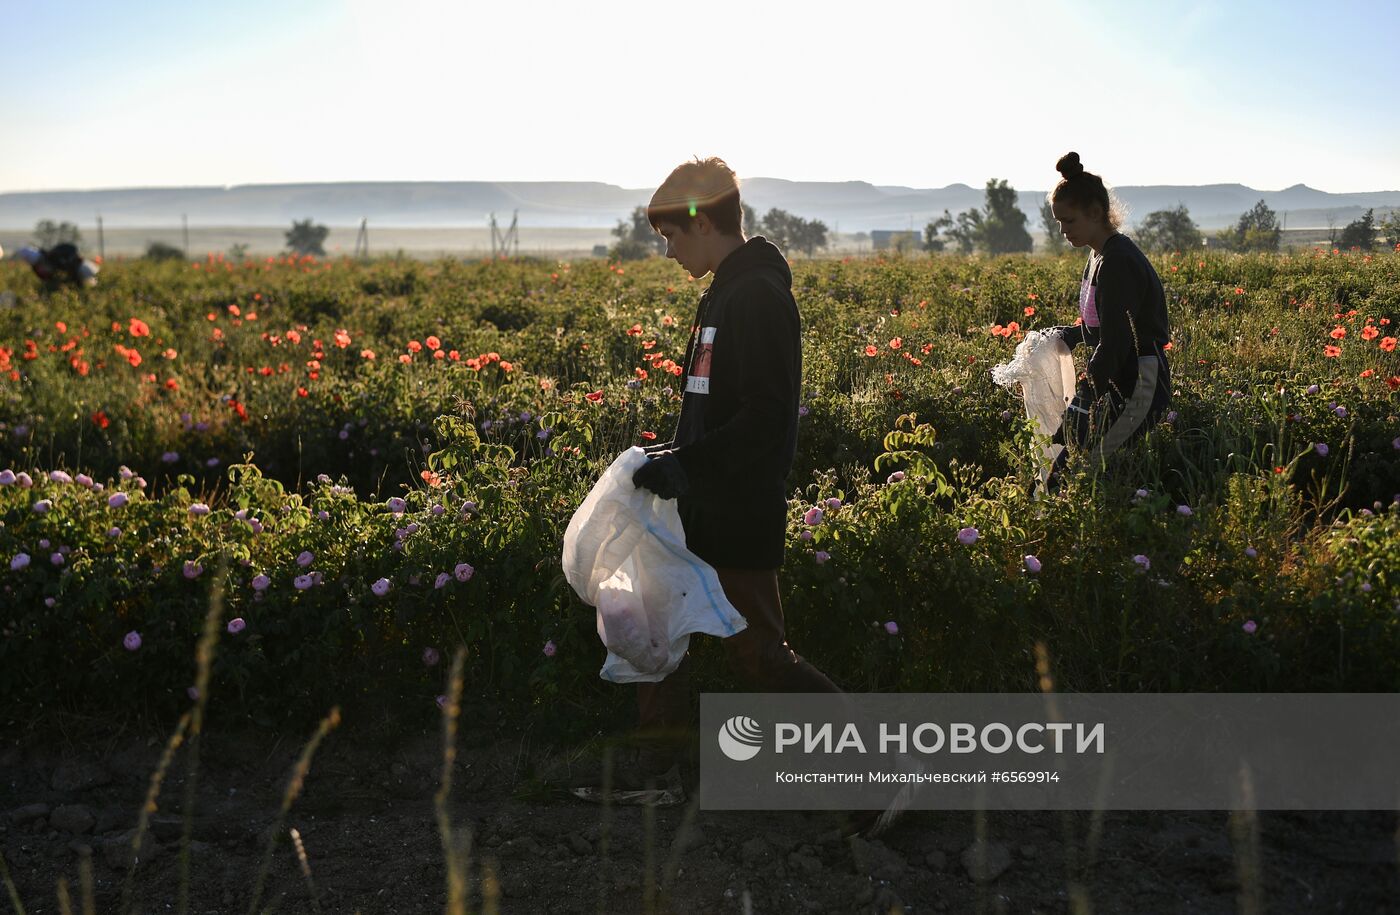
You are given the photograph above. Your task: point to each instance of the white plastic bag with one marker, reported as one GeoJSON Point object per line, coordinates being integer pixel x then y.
{"type": "Point", "coordinates": [1044, 368]}
{"type": "Point", "coordinates": [625, 554]}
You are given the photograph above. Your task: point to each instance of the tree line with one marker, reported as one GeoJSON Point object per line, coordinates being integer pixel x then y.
{"type": "Point", "coordinates": [636, 238]}
{"type": "Point", "coordinates": [999, 227]}
{"type": "Point", "coordinates": [304, 237]}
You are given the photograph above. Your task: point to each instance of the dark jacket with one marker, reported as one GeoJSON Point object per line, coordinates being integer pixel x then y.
{"type": "Point", "coordinates": [1131, 307]}
{"type": "Point", "coordinates": [737, 431]}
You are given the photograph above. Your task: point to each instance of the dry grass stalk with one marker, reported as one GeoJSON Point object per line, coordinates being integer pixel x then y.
{"type": "Point", "coordinates": [455, 849]}
{"type": "Point", "coordinates": [294, 786]}
{"type": "Point", "coordinates": [203, 663]}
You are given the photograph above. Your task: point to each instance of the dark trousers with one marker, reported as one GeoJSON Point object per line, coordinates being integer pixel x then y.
{"type": "Point", "coordinates": [759, 656]}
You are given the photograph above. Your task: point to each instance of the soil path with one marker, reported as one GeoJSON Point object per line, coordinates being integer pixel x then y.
{"type": "Point", "coordinates": [366, 819]}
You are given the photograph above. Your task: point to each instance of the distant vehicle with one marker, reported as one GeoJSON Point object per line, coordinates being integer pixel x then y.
{"type": "Point", "coordinates": [895, 240]}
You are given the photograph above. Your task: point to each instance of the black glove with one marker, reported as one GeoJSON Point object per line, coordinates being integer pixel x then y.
{"type": "Point", "coordinates": [1071, 334]}
{"type": "Point", "coordinates": [663, 475]}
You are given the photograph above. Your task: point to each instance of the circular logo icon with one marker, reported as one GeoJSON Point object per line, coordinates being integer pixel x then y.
{"type": "Point", "coordinates": [740, 738]}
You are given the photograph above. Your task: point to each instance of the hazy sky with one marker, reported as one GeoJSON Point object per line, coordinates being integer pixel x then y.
{"type": "Point", "coordinates": [180, 92]}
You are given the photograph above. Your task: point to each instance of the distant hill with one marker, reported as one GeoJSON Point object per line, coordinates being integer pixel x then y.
{"type": "Point", "coordinates": [850, 205]}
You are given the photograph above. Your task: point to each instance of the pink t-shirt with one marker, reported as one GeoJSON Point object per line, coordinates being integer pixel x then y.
{"type": "Point", "coordinates": [1088, 298]}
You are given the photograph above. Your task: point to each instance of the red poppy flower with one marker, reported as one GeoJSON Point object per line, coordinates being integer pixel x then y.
{"type": "Point", "coordinates": [1387, 344]}
{"type": "Point", "coordinates": [594, 397]}
{"type": "Point", "coordinates": [870, 350]}
{"type": "Point", "coordinates": [1331, 352]}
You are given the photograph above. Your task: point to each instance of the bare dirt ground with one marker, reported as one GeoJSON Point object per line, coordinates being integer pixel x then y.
{"type": "Point", "coordinates": [366, 818]}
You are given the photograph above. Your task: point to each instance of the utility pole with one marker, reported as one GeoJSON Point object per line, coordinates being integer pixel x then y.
{"type": "Point", "coordinates": [101, 243]}
{"type": "Point", "coordinates": [503, 242]}
{"type": "Point", "coordinates": [362, 240]}
{"type": "Point", "coordinates": [185, 230]}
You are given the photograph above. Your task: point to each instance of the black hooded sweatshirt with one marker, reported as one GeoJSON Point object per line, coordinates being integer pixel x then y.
{"type": "Point", "coordinates": [737, 431]}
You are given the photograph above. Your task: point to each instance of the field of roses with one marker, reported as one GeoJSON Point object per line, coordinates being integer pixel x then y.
{"type": "Point", "coordinates": [364, 466]}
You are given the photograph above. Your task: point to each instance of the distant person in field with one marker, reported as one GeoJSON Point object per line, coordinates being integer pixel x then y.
{"type": "Point", "coordinates": [1122, 318]}
{"type": "Point", "coordinates": [59, 264]}
{"type": "Point", "coordinates": [734, 443]}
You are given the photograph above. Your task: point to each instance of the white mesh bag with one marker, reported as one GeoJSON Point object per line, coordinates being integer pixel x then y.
{"type": "Point", "coordinates": [625, 554]}
{"type": "Point", "coordinates": [1044, 369]}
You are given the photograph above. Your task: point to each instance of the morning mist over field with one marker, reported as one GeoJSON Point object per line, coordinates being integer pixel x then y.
{"type": "Point", "coordinates": [851, 206]}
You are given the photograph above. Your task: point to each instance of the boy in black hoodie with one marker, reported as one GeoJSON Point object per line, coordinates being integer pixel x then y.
{"type": "Point", "coordinates": [736, 436]}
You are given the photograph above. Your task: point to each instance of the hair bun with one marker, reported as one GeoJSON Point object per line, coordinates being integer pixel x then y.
{"type": "Point", "coordinates": [1069, 166]}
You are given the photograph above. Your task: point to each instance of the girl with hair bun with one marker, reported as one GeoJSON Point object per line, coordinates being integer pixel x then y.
{"type": "Point", "coordinates": [1122, 318]}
